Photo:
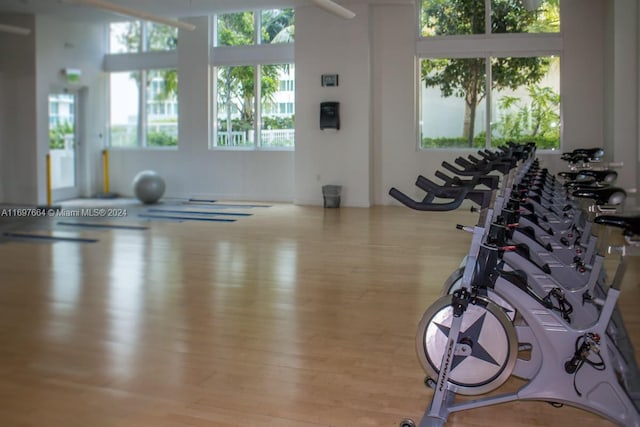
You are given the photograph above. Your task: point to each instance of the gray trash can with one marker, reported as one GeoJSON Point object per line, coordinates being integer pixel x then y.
{"type": "Point", "coordinates": [331, 195]}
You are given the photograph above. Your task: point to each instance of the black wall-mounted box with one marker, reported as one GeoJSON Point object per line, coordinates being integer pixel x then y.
{"type": "Point", "coordinates": [330, 115]}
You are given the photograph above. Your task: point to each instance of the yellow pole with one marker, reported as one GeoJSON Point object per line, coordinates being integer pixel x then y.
{"type": "Point", "coordinates": [48, 163]}
{"type": "Point", "coordinates": [105, 170]}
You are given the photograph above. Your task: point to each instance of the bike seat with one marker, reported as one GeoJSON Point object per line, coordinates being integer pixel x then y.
{"type": "Point", "coordinates": [587, 153]}
{"type": "Point", "coordinates": [606, 175]}
{"type": "Point", "coordinates": [584, 182]}
{"type": "Point", "coordinates": [630, 224]}
{"type": "Point", "coordinates": [596, 152]}
{"type": "Point", "coordinates": [601, 176]}
{"type": "Point", "coordinates": [591, 152]}
{"type": "Point", "coordinates": [602, 196]}
{"type": "Point", "coordinates": [571, 176]}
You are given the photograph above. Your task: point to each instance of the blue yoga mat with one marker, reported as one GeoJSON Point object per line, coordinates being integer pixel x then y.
{"type": "Point", "coordinates": [183, 211]}
{"type": "Point", "coordinates": [225, 206]}
{"type": "Point", "coordinates": [107, 226]}
{"type": "Point", "coordinates": [49, 238]}
{"type": "Point", "coordinates": [203, 200]}
{"type": "Point", "coordinates": [185, 218]}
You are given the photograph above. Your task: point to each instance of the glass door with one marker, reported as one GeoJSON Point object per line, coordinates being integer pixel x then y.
{"type": "Point", "coordinates": [63, 144]}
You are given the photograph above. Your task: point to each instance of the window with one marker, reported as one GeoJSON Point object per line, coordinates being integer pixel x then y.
{"type": "Point", "coordinates": [143, 102]}
{"type": "Point", "coordinates": [236, 109]}
{"type": "Point", "coordinates": [125, 37]}
{"type": "Point", "coordinates": [527, 108]}
{"type": "Point", "coordinates": [480, 97]}
{"type": "Point", "coordinates": [466, 17]}
{"type": "Point", "coordinates": [524, 98]}
{"type": "Point", "coordinates": [61, 120]}
{"type": "Point", "coordinates": [254, 101]}
{"type": "Point", "coordinates": [162, 121]}
{"type": "Point", "coordinates": [235, 106]}
{"type": "Point", "coordinates": [525, 16]}
{"type": "Point", "coordinates": [277, 122]}
{"type": "Point", "coordinates": [125, 109]}
{"type": "Point", "coordinates": [286, 85]}
{"type": "Point", "coordinates": [452, 114]}
{"type": "Point", "coordinates": [249, 28]}
{"type": "Point", "coordinates": [160, 37]}
{"type": "Point", "coordinates": [235, 29]}
{"type": "Point", "coordinates": [137, 36]}
{"type": "Point", "coordinates": [159, 100]}
{"type": "Point", "coordinates": [277, 26]}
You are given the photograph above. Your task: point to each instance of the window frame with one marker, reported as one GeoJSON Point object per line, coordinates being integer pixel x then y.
{"type": "Point", "coordinates": [256, 55]}
{"type": "Point", "coordinates": [488, 46]}
{"type": "Point", "coordinates": [144, 61]}
{"type": "Point", "coordinates": [487, 26]}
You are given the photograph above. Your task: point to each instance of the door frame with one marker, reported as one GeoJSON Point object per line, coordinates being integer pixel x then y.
{"type": "Point", "coordinates": [66, 193]}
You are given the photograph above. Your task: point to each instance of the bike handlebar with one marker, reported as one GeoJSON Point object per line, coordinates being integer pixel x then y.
{"type": "Point", "coordinates": [429, 206]}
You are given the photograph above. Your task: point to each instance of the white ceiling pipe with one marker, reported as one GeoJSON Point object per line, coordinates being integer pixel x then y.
{"type": "Point", "coordinates": [335, 9]}
{"type": "Point", "coordinates": [101, 4]}
{"type": "Point", "coordinates": [14, 30]}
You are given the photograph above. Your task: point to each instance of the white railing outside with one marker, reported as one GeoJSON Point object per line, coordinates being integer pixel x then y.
{"type": "Point", "coordinates": [268, 138]}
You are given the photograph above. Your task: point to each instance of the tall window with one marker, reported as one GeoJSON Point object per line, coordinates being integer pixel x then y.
{"type": "Point", "coordinates": [137, 36]}
{"type": "Point", "coordinates": [236, 29]}
{"type": "Point", "coordinates": [248, 96]}
{"type": "Point", "coordinates": [466, 17]}
{"type": "Point", "coordinates": [125, 109]}
{"type": "Point", "coordinates": [527, 108]}
{"type": "Point", "coordinates": [524, 99]}
{"type": "Point", "coordinates": [143, 102]}
{"type": "Point", "coordinates": [157, 125]}
{"type": "Point", "coordinates": [236, 106]}
{"type": "Point", "coordinates": [159, 37]}
{"type": "Point", "coordinates": [479, 97]}
{"type": "Point", "coordinates": [125, 37]}
{"type": "Point", "coordinates": [277, 26]}
{"type": "Point", "coordinates": [277, 122]}
{"type": "Point", "coordinates": [452, 113]}
{"type": "Point", "coordinates": [162, 108]}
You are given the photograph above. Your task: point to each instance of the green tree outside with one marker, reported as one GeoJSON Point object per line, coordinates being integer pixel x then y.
{"type": "Point", "coordinates": [58, 133]}
{"type": "Point", "coordinates": [536, 121]}
{"type": "Point", "coordinates": [158, 37]}
{"type": "Point", "coordinates": [465, 77]}
{"type": "Point", "coordinates": [236, 84]}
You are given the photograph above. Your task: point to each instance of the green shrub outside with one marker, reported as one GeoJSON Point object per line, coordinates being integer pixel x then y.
{"type": "Point", "coordinates": [479, 142]}
{"type": "Point", "coordinates": [161, 139]}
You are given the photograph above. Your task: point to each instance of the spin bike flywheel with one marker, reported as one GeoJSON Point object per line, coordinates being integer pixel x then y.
{"type": "Point", "coordinates": [486, 350]}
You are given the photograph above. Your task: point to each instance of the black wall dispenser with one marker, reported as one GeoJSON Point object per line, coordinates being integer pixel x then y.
{"type": "Point", "coordinates": [330, 115]}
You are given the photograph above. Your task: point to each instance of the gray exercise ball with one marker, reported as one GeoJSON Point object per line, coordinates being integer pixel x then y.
{"type": "Point", "coordinates": [148, 186]}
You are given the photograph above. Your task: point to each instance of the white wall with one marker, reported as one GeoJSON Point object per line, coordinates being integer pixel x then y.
{"type": "Point", "coordinates": [397, 159]}
{"type": "Point", "coordinates": [193, 170]}
{"type": "Point", "coordinates": [374, 54]}
{"type": "Point", "coordinates": [582, 80]}
{"type": "Point", "coordinates": [376, 148]}
{"type": "Point", "coordinates": [621, 68]}
{"type": "Point", "coordinates": [62, 44]}
{"type": "Point", "coordinates": [17, 109]}
{"type": "Point", "coordinates": [326, 44]}
{"type": "Point", "coordinates": [30, 69]}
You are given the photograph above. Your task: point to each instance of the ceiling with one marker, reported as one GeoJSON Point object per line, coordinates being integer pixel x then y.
{"type": "Point", "coordinates": [166, 8]}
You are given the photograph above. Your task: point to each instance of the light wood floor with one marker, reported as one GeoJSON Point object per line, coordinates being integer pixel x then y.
{"type": "Point", "coordinates": [295, 316]}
